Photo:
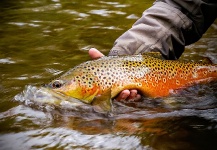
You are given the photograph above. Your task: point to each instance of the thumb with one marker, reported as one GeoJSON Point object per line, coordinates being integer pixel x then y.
{"type": "Point", "coordinates": [94, 53]}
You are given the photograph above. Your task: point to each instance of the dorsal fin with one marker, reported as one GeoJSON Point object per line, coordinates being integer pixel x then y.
{"type": "Point", "coordinates": [154, 54]}
{"type": "Point", "coordinates": [206, 60]}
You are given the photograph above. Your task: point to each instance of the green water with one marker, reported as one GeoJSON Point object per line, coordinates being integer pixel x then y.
{"type": "Point", "coordinates": [40, 39]}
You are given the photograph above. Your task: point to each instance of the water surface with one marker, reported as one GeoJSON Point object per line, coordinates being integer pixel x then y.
{"type": "Point", "coordinates": [41, 39]}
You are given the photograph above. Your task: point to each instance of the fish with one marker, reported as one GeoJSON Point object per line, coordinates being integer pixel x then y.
{"type": "Point", "coordinates": [97, 82]}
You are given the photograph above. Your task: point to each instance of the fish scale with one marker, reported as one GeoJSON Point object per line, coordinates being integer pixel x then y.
{"type": "Point", "coordinates": [102, 79]}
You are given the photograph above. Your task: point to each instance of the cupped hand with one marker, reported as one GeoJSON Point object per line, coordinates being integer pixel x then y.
{"type": "Point", "coordinates": [125, 95]}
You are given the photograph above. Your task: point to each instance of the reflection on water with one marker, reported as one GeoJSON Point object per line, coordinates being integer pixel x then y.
{"type": "Point", "coordinates": [42, 39]}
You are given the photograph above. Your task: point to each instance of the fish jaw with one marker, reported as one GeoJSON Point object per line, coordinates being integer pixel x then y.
{"type": "Point", "coordinates": [43, 96]}
{"type": "Point", "coordinates": [101, 101]}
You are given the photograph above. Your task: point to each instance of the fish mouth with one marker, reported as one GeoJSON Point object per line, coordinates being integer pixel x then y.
{"type": "Point", "coordinates": [42, 96]}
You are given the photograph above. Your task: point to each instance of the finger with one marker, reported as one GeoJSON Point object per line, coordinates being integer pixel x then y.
{"type": "Point", "coordinates": [137, 98]}
{"type": "Point", "coordinates": [123, 95]}
{"type": "Point", "coordinates": [133, 94]}
{"type": "Point", "coordinates": [94, 53]}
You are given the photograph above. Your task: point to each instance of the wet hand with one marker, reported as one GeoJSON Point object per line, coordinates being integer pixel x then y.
{"type": "Point", "coordinates": [128, 95]}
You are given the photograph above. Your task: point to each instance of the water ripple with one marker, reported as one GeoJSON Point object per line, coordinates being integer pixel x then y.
{"type": "Point", "coordinates": [7, 61]}
{"type": "Point", "coordinates": [68, 139]}
{"type": "Point", "coordinates": [73, 12]}
{"type": "Point", "coordinates": [105, 12]}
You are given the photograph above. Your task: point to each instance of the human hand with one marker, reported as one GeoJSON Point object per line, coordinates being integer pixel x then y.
{"type": "Point", "coordinates": [125, 95]}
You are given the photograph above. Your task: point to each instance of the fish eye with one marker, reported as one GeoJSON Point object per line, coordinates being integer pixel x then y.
{"type": "Point", "coordinates": [57, 84]}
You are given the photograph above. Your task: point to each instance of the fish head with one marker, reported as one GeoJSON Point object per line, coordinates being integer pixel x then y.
{"type": "Point", "coordinates": [75, 88]}
{"type": "Point", "coordinates": [46, 99]}
{"type": "Point", "coordinates": [84, 86]}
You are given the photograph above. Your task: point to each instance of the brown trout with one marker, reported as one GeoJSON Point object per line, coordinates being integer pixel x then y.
{"type": "Point", "coordinates": [98, 81]}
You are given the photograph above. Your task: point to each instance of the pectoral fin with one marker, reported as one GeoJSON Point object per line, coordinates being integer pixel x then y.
{"type": "Point", "coordinates": [102, 103]}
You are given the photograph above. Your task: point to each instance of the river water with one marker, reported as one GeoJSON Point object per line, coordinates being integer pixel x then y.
{"type": "Point", "coordinates": [40, 39]}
